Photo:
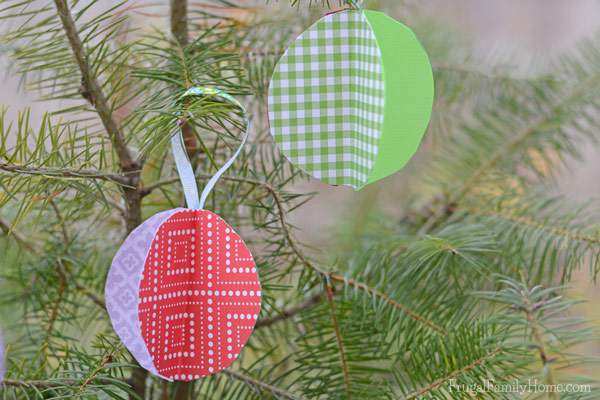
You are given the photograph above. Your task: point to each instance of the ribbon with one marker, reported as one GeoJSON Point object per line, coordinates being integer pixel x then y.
{"type": "Point", "coordinates": [184, 166]}
{"type": "Point", "coordinates": [356, 4]}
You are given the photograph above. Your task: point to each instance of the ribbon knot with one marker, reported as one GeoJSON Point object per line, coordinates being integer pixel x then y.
{"type": "Point", "coordinates": [182, 161]}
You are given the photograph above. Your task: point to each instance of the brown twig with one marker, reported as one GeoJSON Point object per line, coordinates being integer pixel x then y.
{"type": "Point", "coordinates": [61, 222]}
{"type": "Point", "coordinates": [95, 95]}
{"type": "Point", "coordinates": [280, 393]}
{"type": "Point", "coordinates": [180, 31]}
{"type": "Point", "coordinates": [105, 360]}
{"type": "Point", "coordinates": [339, 339]}
{"type": "Point", "coordinates": [290, 312]}
{"type": "Point", "coordinates": [47, 384]}
{"type": "Point", "coordinates": [131, 168]}
{"type": "Point", "coordinates": [52, 318]}
{"type": "Point", "coordinates": [40, 384]}
{"type": "Point", "coordinates": [93, 297]}
{"type": "Point", "coordinates": [11, 232]}
{"type": "Point", "coordinates": [538, 339]}
{"type": "Point", "coordinates": [67, 173]}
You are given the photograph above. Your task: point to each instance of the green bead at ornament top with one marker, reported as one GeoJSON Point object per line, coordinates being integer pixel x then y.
{"type": "Point", "coordinates": [351, 98]}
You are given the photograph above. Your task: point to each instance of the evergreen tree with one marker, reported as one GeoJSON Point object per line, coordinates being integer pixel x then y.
{"type": "Point", "coordinates": [467, 287]}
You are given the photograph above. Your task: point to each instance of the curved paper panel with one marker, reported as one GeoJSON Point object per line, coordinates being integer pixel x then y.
{"type": "Point", "coordinates": [123, 283]}
{"type": "Point", "coordinates": [326, 100]}
{"type": "Point", "coordinates": [200, 296]}
{"type": "Point", "coordinates": [409, 91]}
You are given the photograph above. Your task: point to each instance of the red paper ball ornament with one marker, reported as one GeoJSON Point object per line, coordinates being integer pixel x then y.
{"type": "Point", "coordinates": [199, 295]}
{"type": "Point", "coordinates": [183, 292]}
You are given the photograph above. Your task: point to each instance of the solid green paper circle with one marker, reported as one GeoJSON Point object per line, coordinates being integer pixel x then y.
{"type": "Point", "coordinates": [409, 91]}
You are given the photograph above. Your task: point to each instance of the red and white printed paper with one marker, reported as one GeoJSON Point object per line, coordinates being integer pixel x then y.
{"type": "Point", "coordinates": [199, 296]}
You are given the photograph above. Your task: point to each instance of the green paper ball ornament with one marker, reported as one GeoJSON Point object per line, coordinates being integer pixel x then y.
{"type": "Point", "coordinates": [351, 98]}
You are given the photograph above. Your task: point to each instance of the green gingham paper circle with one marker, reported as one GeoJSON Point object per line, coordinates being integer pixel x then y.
{"type": "Point", "coordinates": [350, 99]}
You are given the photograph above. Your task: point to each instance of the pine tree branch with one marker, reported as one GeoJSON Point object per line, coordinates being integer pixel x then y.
{"type": "Point", "coordinates": [66, 173]}
{"type": "Point", "coordinates": [67, 277]}
{"type": "Point", "coordinates": [61, 222]}
{"type": "Point", "coordinates": [439, 382]}
{"type": "Point", "coordinates": [63, 383]}
{"type": "Point", "coordinates": [11, 232]}
{"type": "Point", "coordinates": [97, 99]}
{"type": "Point", "coordinates": [532, 223]}
{"type": "Point", "coordinates": [95, 94]}
{"type": "Point", "coordinates": [339, 339]}
{"type": "Point", "coordinates": [538, 339]}
{"type": "Point", "coordinates": [290, 312]}
{"type": "Point", "coordinates": [474, 71]}
{"type": "Point", "coordinates": [509, 148]}
{"type": "Point", "coordinates": [40, 384]}
{"type": "Point", "coordinates": [133, 198]}
{"type": "Point", "coordinates": [146, 190]}
{"type": "Point", "coordinates": [108, 358]}
{"type": "Point", "coordinates": [179, 21]}
{"type": "Point", "coordinates": [265, 387]}
{"type": "Point", "coordinates": [281, 215]}
{"type": "Point", "coordinates": [180, 31]}
{"type": "Point", "coordinates": [332, 276]}
{"type": "Point", "coordinates": [390, 301]}
{"type": "Point", "coordinates": [48, 384]}
{"type": "Point", "coordinates": [55, 307]}
{"type": "Point", "coordinates": [99, 301]}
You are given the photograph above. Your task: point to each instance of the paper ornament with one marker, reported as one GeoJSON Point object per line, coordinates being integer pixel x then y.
{"type": "Point", "coordinates": [183, 292]}
{"type": "Point", "coordinates": [351, 98]}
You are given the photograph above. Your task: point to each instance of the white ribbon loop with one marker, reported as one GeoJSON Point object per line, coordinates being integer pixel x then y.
{"type": "Point", "coordinates": [184, 166]}
{"type": "Point", "coordinates": [356, 4]}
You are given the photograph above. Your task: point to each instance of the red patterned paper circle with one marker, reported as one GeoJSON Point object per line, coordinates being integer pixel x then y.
{"type": "Point", "coordinates": [199, 295]}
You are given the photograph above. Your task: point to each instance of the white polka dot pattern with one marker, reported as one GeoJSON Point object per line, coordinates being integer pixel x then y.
{"type": "Point", "coordinates": [199, 296]}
